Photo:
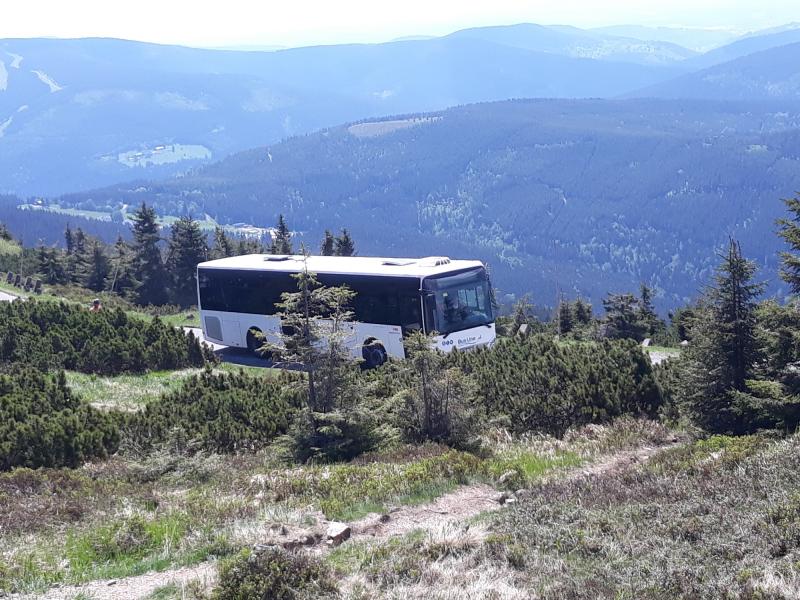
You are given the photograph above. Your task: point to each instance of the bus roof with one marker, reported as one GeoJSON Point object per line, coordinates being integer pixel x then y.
{"type": "Point", "coordinates": [350, 265]}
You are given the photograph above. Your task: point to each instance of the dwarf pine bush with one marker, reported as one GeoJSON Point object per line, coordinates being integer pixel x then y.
{"type": "Point", "coordinates": [225, 412]}
{"type": "Point", "coordinates": [42, 424]}
{"type": "Point", "coordinates": [541, 384]}
{"type": "Point", "coordinates": [274, 574]}
{"type": "Point", "coordinates": [51, 335]}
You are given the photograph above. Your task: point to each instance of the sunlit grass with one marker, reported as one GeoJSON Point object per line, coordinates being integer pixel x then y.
{"type": "Point", "coordinates": [9, 248]}
{"type": "Point", "coordinates": [126, 392]}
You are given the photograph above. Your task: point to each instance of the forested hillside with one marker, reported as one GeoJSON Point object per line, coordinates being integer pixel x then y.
{"type": "Point", "coordinates": [768, 74]}
{"type": "Point", "coordinates": [579, 197]}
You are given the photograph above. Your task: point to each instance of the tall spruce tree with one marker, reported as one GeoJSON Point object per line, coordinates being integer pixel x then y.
{"type": "Point", "coordinates": [345, 246]}
{"type": "Point", "coordinates": [647, 313]}
{"type": "Point", "coordinates": [724, 348]}
{"type": "Point", "coordinates": [583, 312]}
{"type": "Point", "coordinates": [314, 334]}
{"type": "Point", "coordinates": [223, 247]}
{"type": "Point", "coordinates": [623, 317]}
{"type": "Point", "coordinates": [122, 279]}
{"type": "Point", "coordinates": [187, 248]}
{"type": "Point", "coordinates": [789, 230]}
{"type": "Point", "coordinates": [77, 257]}
{"type": "Point", "coordinates": [98, 267]}
{"type": "Point", "coordinates": [566, 320]}
{"type": "Point", "coordinates": [69, 240]}
{"type": "Point", "coordinates": [328, 246]}
{"type": "Point", "coordinates": [50, 266]}
{"type": "Point", "coordinates": [151, 277]}
{"type": "Point", "coordinates": [282, 240]}
{"type": "Point", "coordinates": [734, 301]}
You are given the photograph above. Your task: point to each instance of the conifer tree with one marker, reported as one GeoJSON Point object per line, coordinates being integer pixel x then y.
{"type": "Point", "coordinates": [647, 314]}
{"type": "Point", "coordinates": [223, 247]}
{"type": "Point", "coordinates": [282, 242]}
{"type": "Point", "coordinates": [69, 240]}
{"type": "Point", "coordinates": [345, 246]}
{"type": "Point", "coordinates": [314, 335]}
{"type": "Point", "coordinates": [50, 266]}
{"type": "Point", "coordinates": [98, 268]}
{"type": "Point", "coordinates": [187, 248]}
{"type": "Point", "coordinates": [246, 245]}
{"type": "Point", "coordinates": [623, 317]}
{"type": "Point", "coordinates": [122, 277]}
{"type": "Point", "coordinates": [523, 312]}
{"type": "Point", "coordinates": [734, 301]}
{"type": "Point", "coordinates": [789, 230]}
{"type": "Point", "coordinates": [439, 403]}
{"type": "Point", "coordinates": [148, 267]}
{"type": "Point", "coordinates": [328, 246]}
{"type": "Point", "coordinates": [724, 348]}
{"type": "Point", "coordinates": [76, 263]}
{"type": "Point", "coordinates": [565, 317]}
{"type": "Point", "coordinates": [583, 312]}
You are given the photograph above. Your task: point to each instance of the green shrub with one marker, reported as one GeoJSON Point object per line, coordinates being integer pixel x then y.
{"type": "Point", "coordinates": [51, 335]}
{"type": "Point", "coordinates": [540, 384]}
{"type": "Point", "coordinates": [332, 436]}
{"type": "Point", "coordinates": [42, 424]}
{"type": "Point", "coordinates": [273, 574]}
{"type": "Point", "coordinates": [227, 412]}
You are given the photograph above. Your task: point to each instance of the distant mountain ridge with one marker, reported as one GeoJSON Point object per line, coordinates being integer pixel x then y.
{"type": "Point", "coordinates": [579, 43]}
{"type": "Point", "coordinates": [746, 46]}
{"type": "Point", "coordinates": [78, 114]}
{"type": "Point", "coordinates": [693, 38]}
{"type": "Point", "coordinates": [70, 108]}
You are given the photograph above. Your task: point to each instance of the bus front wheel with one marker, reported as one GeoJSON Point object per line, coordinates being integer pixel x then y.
{"type": "Point", "coordinates": [374, 354]}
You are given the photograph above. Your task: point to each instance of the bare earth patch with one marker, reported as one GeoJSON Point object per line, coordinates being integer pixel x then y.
{"type": "Point", "coordinates": [130, 588]}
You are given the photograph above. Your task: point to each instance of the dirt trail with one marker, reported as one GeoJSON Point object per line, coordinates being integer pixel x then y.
{"type": "Point", "coordinates": [130, 588]}
{"type": "Point", "coordinates": [459, 505]}
{"type": "Point", "coordinates": [471, 500]}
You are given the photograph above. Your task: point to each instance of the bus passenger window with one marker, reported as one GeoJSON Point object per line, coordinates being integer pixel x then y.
{"type": "Point", "coordinates": [410, 315]}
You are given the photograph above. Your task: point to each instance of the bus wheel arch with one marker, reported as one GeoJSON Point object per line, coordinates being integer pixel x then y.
{"type": "Point", "coordinates": [374, 353]}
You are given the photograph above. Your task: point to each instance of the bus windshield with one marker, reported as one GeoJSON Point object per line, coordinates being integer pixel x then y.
{"type": "Point", "coordinates": [457, 302]}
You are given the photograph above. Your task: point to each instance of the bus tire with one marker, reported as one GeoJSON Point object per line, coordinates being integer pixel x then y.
{"type": "Point", "coordinates": [374, 354]}
{"type": "Point", "coordinates": [253, 343]}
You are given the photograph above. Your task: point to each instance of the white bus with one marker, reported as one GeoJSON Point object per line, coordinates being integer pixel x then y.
{"type": "Point", "coordinates": [394, 296]}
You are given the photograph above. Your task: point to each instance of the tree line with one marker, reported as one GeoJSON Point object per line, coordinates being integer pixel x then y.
{"type": "Point", "coordinates": [152, 269]}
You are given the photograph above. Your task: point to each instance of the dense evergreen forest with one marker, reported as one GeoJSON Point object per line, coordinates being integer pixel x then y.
{"type": "Point", "coordinates": [574, 197]}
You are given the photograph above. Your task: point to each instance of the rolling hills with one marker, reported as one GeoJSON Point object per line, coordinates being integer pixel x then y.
{"type": "Point", "coordinates": [81, 113]}
{"type": "Point", "coordinates": [580, 197]}
{"type": "Point", "coordinates": [77, 114]}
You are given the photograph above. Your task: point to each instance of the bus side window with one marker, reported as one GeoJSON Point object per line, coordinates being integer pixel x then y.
{"type": "Point", "coordinates": [409, 311]}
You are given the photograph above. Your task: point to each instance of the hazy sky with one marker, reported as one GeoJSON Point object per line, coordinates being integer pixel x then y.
{"type": "Point", "coordinates": [301, 22]}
